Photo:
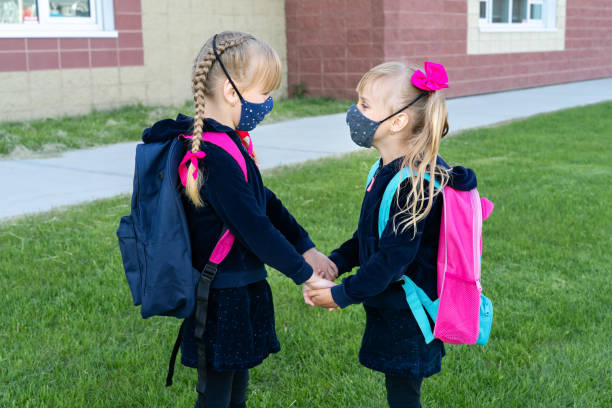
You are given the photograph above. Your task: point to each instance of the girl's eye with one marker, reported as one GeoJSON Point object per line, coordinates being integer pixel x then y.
{"type": "Point", "coordinates": [364, 106]}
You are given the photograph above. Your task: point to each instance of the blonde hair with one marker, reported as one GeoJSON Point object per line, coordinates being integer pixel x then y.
{"type": "Point", "coordinates": [249, 61]}
{"type": "Point", "coordinates": [428, 125]}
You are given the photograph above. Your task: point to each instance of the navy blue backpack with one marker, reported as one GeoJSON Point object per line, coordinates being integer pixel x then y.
{"type": "Point", "coordinates": [155, 243]}
{"type": "Point", "coordinates": [154, 238]}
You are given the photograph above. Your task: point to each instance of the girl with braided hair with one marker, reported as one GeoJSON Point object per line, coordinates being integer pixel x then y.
{"type": "Point", "coordinates": [233, 75]}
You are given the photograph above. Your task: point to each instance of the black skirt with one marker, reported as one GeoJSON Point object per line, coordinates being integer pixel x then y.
{"type": "Point", "coordinates": [393, 344]}
{"type": "Point", "coordinates": [240, 330]}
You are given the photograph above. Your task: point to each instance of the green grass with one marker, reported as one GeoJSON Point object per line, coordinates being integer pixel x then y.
{"type": "Point", "coordinates": [51, 136]}
{"type": "Point", "coordinates": [70, 337]}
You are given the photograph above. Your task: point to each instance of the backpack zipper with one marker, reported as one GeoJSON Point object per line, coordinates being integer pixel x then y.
{"type": "Point", "coordinates": [371, 184]}
{"type": "Point", "coordinates": [373, 179]}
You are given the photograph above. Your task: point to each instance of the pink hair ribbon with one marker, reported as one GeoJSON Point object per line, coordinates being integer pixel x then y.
{"type": "Point", "coordinates": [434, 78]}
{"type": "Point", "coordinates": [194, 160]}
{"type": "Point", "coordinates": [224, 143]}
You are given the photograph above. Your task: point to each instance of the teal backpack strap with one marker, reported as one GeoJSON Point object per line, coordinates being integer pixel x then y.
{"type": "Point", "coordinates": [419, 302]}
{"type": "Point", "coordinates": [385, 204]}
{"type": "Point", "coordinates": [372, 172]}
{"type": "Point", "coordinates": [429, 305]}
{"type": "Point", "coordinates": [417, 299]}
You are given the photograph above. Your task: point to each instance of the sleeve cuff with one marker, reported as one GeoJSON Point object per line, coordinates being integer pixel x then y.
{"type": "Point", "coordinates": [302, 274]}
{"type": "Point", "coordinates": [304, 244]}
{"type": "Point", "coordinates": [341, 298]}
{"type": "Point", "coordinates": [340, 262]}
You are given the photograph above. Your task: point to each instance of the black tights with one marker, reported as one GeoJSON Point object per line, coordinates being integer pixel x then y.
{"type": "Point", "coordinates": [224, 389]}
{"type": "Point", "coordinates": [227, 389]}
{"type": "Point", "coordinates": [403, 392]}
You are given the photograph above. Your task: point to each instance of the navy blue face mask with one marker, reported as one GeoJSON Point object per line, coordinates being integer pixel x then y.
{"type": "Point", "coordinates": [251, 113]}
{"type": "Point", "coordinates": [363, 128]}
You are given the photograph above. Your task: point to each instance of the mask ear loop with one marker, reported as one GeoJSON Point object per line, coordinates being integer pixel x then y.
{"type": "Point", "coordinates": [223, 68]}
{"type": "Point", "coordinates": [404, 108]}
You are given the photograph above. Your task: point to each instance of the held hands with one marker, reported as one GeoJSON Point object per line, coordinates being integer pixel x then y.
{"type": "Point", "coordinates": [323, 298]}
{"type": "Point", "coordinates": [317, 292]}
{"type": "Point", "coordinates": [321, 264]}
{"type": "Point", "coordinates": [317, 289]}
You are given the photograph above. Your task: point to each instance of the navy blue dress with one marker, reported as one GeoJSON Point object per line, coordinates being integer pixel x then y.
{"type": "Point", "coordinates": [392, 342]}
{"type": "Point", "coordinates": [240, 329]}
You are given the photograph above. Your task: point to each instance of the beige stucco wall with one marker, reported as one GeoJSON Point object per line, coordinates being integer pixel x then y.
{"type": "Point", "coordinates": [173, 32]}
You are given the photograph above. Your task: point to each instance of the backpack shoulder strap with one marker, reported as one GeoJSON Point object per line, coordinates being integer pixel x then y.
{"type": "Point", "coordinates": [420, 303]}
{"type": "Point", "coordinates": [387, 199]}
{"type": "Point", "coordinates": [223, 141]}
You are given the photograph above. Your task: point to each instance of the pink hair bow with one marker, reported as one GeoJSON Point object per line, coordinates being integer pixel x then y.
{"type": "Point", "coordinates": [433, 79]}
{"type": "Point", "coordinates": [194, 160]}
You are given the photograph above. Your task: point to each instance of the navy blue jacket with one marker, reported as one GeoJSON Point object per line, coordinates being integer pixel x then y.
{"type": "Point", "coordinates": [383, 261]}
{"type": "Point", "coordinates": [265, 231]}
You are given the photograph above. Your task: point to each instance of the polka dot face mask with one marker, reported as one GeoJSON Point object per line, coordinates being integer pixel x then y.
{"type": "Point", "coordinates": [253, 113]}
{"type": "Point", "coordinates": [363, 128]}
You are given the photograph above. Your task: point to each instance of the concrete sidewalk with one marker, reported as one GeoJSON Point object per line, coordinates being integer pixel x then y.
{"type": "Point", "coordinates": [35, 185]}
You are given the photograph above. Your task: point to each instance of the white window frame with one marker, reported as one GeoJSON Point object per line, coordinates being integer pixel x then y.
{"type": "Point", "coordinates": [101, 24]}
{"type": "Point", "coordinates": [547, 23]}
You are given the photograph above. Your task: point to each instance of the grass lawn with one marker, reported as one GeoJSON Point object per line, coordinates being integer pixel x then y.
{"type": "Point", "coordinates": [70, 337]}
{"type": "Point", "coordinates": [50, 136]}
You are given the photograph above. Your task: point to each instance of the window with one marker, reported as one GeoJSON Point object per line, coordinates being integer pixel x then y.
{"type": "Point", "coordinates": [57, 18]}
{"type": "Point", "coordinates": [535, 10]}
{"type": "Point", "coordinates": [517, 15]}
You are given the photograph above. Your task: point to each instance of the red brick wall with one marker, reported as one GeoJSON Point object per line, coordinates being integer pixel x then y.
{"type": "Point", "coordinates": [331, 43]}
{"type": "Point", "coordinates": [29, 54]}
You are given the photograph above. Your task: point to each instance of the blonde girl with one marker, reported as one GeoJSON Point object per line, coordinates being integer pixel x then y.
{"type": "Point", "coordinates": [402, 113]}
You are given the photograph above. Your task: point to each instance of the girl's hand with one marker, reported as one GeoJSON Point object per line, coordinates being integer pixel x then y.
{"type": "Point", "coordinates": [315, 282]}
{"type": "Point", "coordinates": [323, 298]}
{"type": "Point", "coordinates": [321, 264]}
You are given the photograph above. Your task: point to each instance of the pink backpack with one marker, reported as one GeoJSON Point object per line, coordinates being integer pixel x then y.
{"type": "Point", "coordinates": [462, 314]}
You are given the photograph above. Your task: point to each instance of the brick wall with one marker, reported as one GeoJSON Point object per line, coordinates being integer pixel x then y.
{"type": "Point", "coordinates": [32, 54]}
{"type": "Point", "coordinates": [331, 43]}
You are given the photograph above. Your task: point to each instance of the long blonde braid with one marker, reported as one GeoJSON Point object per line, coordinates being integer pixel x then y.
{"type": "Point", "coordinates": [201, 69]}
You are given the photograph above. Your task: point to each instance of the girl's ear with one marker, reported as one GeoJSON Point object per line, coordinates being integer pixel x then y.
{"type": "Point", "coordinates": [229, 93]}
{"type": "Point", "coordinates": [399, 122]}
